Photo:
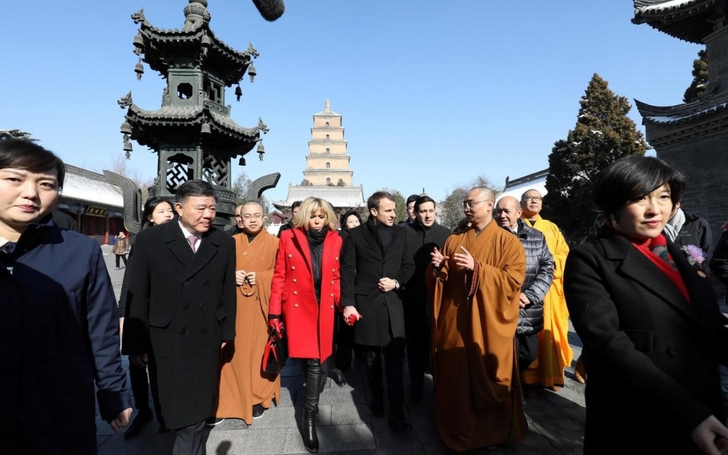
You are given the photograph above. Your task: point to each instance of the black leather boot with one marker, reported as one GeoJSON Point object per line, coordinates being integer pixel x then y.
{"type": "Point", "coordinates": [310, 437]}
{"type": "Point", "coordinates": [314, 377]}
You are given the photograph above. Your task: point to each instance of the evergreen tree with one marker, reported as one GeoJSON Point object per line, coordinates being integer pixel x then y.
{"type": "Point", "coordinates": [17, 134]}
{"type": "Point", "coordinates": [602, 135]}
{"type": "Point", "coordinates": [450, 210]}
{"type": "Point", "coordinates": [700, 78]}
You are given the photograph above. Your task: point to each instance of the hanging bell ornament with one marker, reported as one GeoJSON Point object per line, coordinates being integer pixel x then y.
{"type": "Point", "coordinates": [252, 72]}
{"type": "Point", "coordinates": [125, 128]}
{"type": "Point", "coordinates": [138, 44]}
{"type": "Point", "coordinates": [139, 69]}
{"type": "Point", "coordinates": [238, 92]}
{"type": "Point", "coordinates": [205, 128]}
{"type": "Point", "coordinates": [260, 150]}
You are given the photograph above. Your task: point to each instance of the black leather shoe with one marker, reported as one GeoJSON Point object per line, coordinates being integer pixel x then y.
{"type": "Point", "coordinates": [310, 437]}
{"type": "Point", "coordinates": [399, 423]}
{"type": "Point", "coordinates": [143, 418]}
{"type": "Point", "coordinates": [338, 377]}
{"type": "Point", "coordinates": [378, 407]}
{"type": "Point", "coordinates": [258, 411]}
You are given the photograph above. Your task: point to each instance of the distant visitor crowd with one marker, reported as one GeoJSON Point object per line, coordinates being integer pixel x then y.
{"type": "Point", "coordinates": [484, 311]}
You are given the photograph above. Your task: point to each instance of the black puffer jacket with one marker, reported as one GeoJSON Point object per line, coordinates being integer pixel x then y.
{"type": "Point", "coordinates": [696, 231]}
{"type": "Point", "coordinates": [539, 274]}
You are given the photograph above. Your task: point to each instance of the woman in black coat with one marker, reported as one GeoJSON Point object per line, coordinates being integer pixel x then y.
{"type": "Point", "coordinates": [156, 211]}
{"type": "Point", "coordinates": [343, 333]}
{"type": "Point", "coordinates": [649, 321]}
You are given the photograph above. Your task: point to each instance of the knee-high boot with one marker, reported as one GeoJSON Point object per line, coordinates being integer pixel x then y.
{"type": "Point", "coordinates": [310, 408]}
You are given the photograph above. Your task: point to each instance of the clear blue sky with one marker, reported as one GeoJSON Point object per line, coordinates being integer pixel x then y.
{"type": "Point", "coordinates": [433, 93]}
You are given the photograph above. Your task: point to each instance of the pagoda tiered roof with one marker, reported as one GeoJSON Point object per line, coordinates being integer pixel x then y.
{"type": "Point", "coordinates": [688, 20]}
{"type": "Point", "coordinates": [196, 38]}
{"type": "Point", "coordinates": [234, 138]}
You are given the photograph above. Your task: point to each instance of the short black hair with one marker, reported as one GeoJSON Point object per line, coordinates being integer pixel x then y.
{"type": "Point", "coordinates": [423, 200]}
{"type": "Point", "coordinates": [149, 207]}
{"type": "Point", "coordinates": [295, 204]}
{"type": "Point", "coordinates": [27, 155]}
{"type": "Point", "coordinates": [374, 199]}
{"type": "Point", "coordinates": [631, 178]}
{"type": "Point", "coordinates": [345, 216]}
{"type": "Point", "coordinates": [196, 187]}
{"type": "Point", "coordinates": [412, 198]}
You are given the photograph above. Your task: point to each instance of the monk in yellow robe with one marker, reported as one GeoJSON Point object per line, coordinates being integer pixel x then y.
{"type": "Point", "coordinates": [554, 352]}
{"type": "Point", "coordinates": [475, 283]}
{"type": "Point", "coordinates": [245, 391]}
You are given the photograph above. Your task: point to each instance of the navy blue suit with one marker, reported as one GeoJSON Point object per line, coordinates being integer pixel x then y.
{"type": "Point", "coordinates": [69, 340]}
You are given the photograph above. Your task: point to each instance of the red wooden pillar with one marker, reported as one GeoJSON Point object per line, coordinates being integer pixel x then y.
{"type": "Point", "coordinates": [106, 230]}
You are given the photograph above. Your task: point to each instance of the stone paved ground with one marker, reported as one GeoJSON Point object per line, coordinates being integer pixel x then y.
{"type": "Point", "coordinates": [346, 426]}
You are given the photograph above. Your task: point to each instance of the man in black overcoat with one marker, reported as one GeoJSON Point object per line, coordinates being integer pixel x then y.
{"type": "Point", "coordinates": [424, 234]}
{"type": "Point", "coordinates": [181, 310]}
{"type": "Point", "coordinates": [375, 265]}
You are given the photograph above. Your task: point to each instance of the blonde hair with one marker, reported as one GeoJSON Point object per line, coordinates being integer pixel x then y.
{"type": "Point", "coordinates": [308, 207]}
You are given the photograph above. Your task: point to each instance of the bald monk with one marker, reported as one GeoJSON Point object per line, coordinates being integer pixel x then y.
{"type": "Point", "coordinates": [476, 286]}
{"type": "Point", "coordinates": [245, 391]}
{"type": "Point", "coordinates": [554, 352]}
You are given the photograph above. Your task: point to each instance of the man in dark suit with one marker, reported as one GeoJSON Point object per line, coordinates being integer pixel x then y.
{"type": "Point", "coordinates": [375, 264]}
{"type": "Point", "coordinates": [181, 310]}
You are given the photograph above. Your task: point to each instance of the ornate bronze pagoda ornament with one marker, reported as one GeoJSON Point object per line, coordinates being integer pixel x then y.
{"type": "Point", "coordinates": [192, 132]}
{"type": "Point", "coordinates": [693, 136]}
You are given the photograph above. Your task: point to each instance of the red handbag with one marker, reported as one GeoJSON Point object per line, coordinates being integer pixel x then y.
{"type": "Point", "coordinates": [275, 354]}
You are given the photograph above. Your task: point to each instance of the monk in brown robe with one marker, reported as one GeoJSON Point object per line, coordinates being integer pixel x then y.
{"type": "Point", "coordinates": [476, 283]}
{"type": "Point", "coordinates": [245, 391]}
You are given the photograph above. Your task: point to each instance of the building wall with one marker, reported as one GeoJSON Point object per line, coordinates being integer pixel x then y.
{"type": "Point", "coordinates": [704, 162]}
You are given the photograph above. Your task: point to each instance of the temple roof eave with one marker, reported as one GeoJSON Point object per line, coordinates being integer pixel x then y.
{"type": "Point", "coordinates": [189, 115]}
{"type": "Point", "coordinates": [239, 138]}
{"type": "Point", "coordinates": [687, 20]}
{"type": "Point", "coordinates": [160, 42]}
{"type": "Point", "coordinates": [681, 113]}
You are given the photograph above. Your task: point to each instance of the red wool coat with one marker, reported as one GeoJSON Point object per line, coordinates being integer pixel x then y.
{"type": "Point", "coordinates": [309, 327]}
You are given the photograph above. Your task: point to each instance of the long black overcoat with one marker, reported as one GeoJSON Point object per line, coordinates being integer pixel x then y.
{"type": "Point", "coordinates": [652, 356]}
{"type": "Point", "coordinates": [362, 265]}
{"type": "Point", "coordinates": [180, 307]}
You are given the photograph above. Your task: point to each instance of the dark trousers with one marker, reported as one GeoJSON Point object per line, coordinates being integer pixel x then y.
{"type": "Point", "coordinates": [120, 256]}
{"type": "Point", "coordinates": [393, 366]}
{"type": "Point", "coordinates": [140, 388]}
{"type": "Point", "coordinates": [527, 346]}
{"type": "Point", "coordinates": [189, 440]}
{"type": "Point", "coordinates": [343, 343]}
{"type": "Point", "coordinates": [417, 331]}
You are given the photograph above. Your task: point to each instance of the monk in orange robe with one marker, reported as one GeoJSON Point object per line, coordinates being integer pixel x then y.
{"type": "Point", "coordinates": [476, 287]}
{"type": "Point", "coordinates": [554, 351]}
{"type": "Point", "coordinates": [243, 385]}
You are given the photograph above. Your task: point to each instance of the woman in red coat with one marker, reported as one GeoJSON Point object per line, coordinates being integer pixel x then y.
{"type": "Point", "coordinates": [305, 295]}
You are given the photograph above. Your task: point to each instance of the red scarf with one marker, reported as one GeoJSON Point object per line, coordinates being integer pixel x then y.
{"type": "Point", "coordinates": [656, 251]}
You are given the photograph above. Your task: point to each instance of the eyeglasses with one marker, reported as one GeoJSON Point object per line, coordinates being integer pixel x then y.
{"type": "Point", "coordinates": [533, 198]}
{"type": "Point", "coordinates": [249, 216]}
{"type": "Point", "coordinates": [470, 204]}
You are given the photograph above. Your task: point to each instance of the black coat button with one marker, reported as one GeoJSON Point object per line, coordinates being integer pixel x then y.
{"type": "Point", "coordinates": [672, 351]}
{"type": "Point", "coordinates": [183, 331]}
{"type": "Point", "coordinates": [203, 306]}
{"type": "Point", "coordinates": [206, 282]}
{"type": "Point", "coordinates": [203, 329]}
{"type": "Point", "coordinates": [185, 306]}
